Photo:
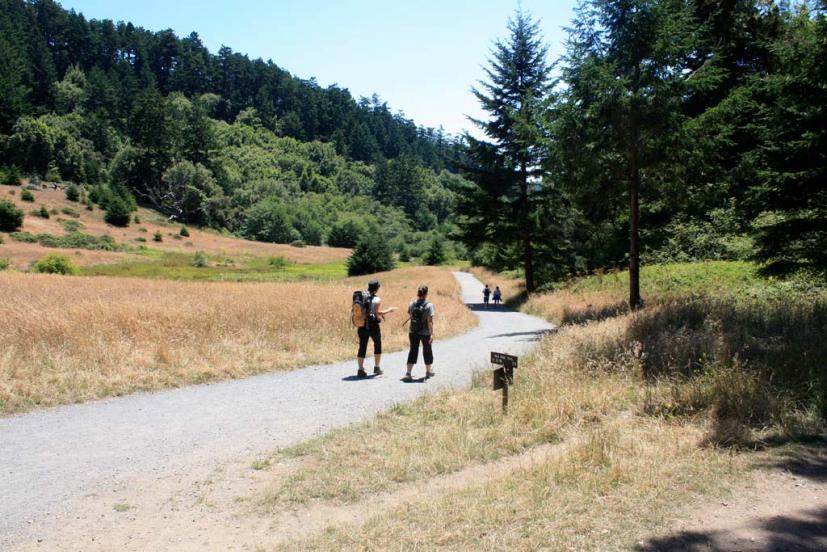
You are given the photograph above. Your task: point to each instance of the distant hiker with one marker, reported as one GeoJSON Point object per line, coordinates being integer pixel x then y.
{"type": "Point", "coordinates": [421, 312]}
{"type": "Point", "coordinates": [498, 295]}
{"type": "Point", "coordinates": [485, 294]}
{"type": "Point", "coordinates": [366, 316]}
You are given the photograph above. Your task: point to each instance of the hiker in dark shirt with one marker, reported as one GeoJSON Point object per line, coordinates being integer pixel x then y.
{"type": "Point", "coordinates": [485, 294]}
{"type": "Point", "coordinates": [498, 295]}
{"type": "Point", "coordinates": [371, 330]}
{"type": "Point", "coordinates": [421, 312]}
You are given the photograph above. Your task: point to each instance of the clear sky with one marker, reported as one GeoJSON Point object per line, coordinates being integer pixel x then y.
{"type": "Point", "coordinates": [421, 57]}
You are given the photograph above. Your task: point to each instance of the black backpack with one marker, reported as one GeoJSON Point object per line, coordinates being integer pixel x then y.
{"type": "Point", "coordinates": [419, 312]}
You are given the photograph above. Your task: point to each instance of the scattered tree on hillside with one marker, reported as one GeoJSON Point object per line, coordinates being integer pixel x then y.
{"type": "Point", "coordinates": [372, 254]}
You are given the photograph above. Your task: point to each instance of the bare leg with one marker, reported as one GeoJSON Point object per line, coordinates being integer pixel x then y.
{"type": "Point", "coordinates": [376, 360]}
{"type": "Point", "coordinates": [360, 362]}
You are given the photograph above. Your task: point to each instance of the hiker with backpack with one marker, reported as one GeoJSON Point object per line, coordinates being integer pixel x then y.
{"type": "Point", "coordinates": [366, 315]}
{"type": "Point", "coordinates": [485, 294]}
{"type": "Point", "coordinates": [498, 295]}
{"type": "Point", "coordinates": [421, 312]}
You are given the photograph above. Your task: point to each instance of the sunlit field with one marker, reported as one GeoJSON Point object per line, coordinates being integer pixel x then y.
{"type": "Point", "coordinates": [70, 339]}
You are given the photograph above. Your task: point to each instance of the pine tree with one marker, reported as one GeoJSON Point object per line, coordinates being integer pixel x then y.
{"type": "Point", "coordinates": [497, 206]}
{"type": "Point", "coordinates": [625, 68]}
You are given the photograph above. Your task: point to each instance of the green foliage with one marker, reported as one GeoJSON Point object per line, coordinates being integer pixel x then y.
{"type": "Point", "coordinates": [72, 226]}
{"type": "Point", "coordinates": [118, 212]}
{"type": "Point", "coordinates": [10, 175]}
{"type": "Point", "coordinates": [4, 264]}
{"type": "Point", "coordinates": [372, 254]}
{"type": "Point", "coordinates": [346, 232]}
{"type": "Point", "coordinates": [270, 221]}
{"type": "Point", "coordinates": [11, 218]}
{"type": "Point", "coordinates": [69, 211]}
{"type": "Point", "coordinates": [184, 232]}
{"type": "Point", "coordinates": [27, 195]}
{"type": "Point", "coordinates": [277, 263]}
{"type": "Point", "coordinates": [157, 236]}
{"type": "Point", "coordinates": [55, 264]}
{"type": "Point", "coordinates": [71, 240]}
{"type": "Point", "coordinates": [73, 192]}
{"type": "Point", "coordinates": [436, 254]}
{"type": "Point", "coordinates": [199, 260]}
{"type": "Point", "coordinates": [43, 212]}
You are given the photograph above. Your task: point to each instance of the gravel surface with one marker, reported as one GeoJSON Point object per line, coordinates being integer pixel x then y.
{"type": "Point", "coordinates": [51, 456]}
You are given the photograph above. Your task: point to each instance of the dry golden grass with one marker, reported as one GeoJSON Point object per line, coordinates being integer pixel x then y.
{"type": "Point", "coordinates": [68, 339]}
{"type": "Point", "coordinates": [640, 448]}
{"type": "Point", "coordinates": [567, 307]}
{"type": "Point", "coordinates": [625, 479]}
{"type": "Point", "coordinates": [207, 242]}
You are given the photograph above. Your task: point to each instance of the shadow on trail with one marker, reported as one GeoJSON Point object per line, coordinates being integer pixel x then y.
{"type": "Point", "coordinates": [536, 335]}
{"type": "Point", "coordinates": [423, 379]}
{"type": "Point", "coordinates": [354, 377]}
{"type": "Point", "coordinates": [805, 531]}
{"type": "Point", "coordinates": [482, 307]}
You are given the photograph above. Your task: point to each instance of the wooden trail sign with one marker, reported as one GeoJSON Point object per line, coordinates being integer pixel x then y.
{"type": "Point", "coordinates": [504, 376]}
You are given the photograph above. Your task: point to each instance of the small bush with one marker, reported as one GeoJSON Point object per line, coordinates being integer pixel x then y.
{"type": "Point", "coordinates": [184, 232]}
{"type": "Point", "coordinates": [72, 225]}
{"type": "Point", "coordinates": [140, 239]}
{"type": "Point", "coordinates": [73, 193]}
{"type": "Point", "coordinates": [27, 195]}
{"type": "Point", "coordinates": [11, 218]}
{"type": "Point", "coordinates": [136, 219]}
{"type": "Point", "coordinates": [4, 264]}
{"type": "Point", "coordinates": [55, 264]}
{"type": "Point", "coordinates": [372, 254]}
{"type": "Point", "coordinates": [277, 263]}
{"type": "Point", "coordinates": [11, 176]}
{"type": "Point", "coordinates": [89, 205]}
{"type": "Point", "coordinates": [435, 255]}
{"type": "Point", "coordinates": [43, 212]}
{"type": "Point", "coordinates": [12, 192]}
{"type": "Point", "coordinates": [71, 212]}
{"type": "Point", "coordinates": [142, 229]}
{"type": "Point", "coordinates": [298, 243]}
{"type": "Point", "coordinates": [199, 260]}
{"type": "Point", "coordinates": [158, 237]}
{"type": "Point", "coordinates": [117, 212]}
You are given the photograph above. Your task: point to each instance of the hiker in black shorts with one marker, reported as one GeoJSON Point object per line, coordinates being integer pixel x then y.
{"type": "Point", "coordinates": [372, 331]}
{"type": "Point", "coordinates": [421, 331]}
{"type": "Point", "coordinates": [485, 294]}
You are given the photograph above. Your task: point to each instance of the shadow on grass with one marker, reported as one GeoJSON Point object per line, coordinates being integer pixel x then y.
{"type": "Point", "coordinates": [802, 531]}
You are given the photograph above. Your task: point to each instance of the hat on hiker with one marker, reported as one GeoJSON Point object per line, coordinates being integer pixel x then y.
{"type": "Point", "coordinates": [373, 285]}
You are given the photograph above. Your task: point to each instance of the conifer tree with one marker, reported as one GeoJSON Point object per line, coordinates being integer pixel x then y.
{"type": "Point", "coordinates": [505, 168]}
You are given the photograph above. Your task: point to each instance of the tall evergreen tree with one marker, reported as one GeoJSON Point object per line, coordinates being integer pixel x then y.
{"type": "Point", "coordinates": [497, 206]}
{"type": "Point", "coordinates": [626, 70]}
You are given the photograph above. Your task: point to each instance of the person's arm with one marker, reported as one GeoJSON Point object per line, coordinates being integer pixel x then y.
{"type": "Point", "coordinates": [383, 312]}
{"type": "Point", "coordinates": [431, 325]}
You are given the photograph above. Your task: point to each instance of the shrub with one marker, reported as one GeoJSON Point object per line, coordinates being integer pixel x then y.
{"type": "Point", "coordinates": [184, 232]}
{"type": "Point", "coordinates": [11, 175]}
{"type": "Point", "coordinates": [89, 205]}
{"type": "Point", "coordinates": [140, 239]}
{"type": "Point", "coordinates": [27, 195]}
{"type": "Point", "coordinates": [199, 260]}
{"type": "Point", "coordinates": [55, 264]}
{"type": "Point", "coordinates": [136, 219]}
{"type": "Point", "coordinates": [73, 192]}
{"type": "Point", "coordinates": [158, 237]}
{"type": "Point", "coordinates": [346, 233]}
{"type": "Point", "coordinates": [11, 218]}
{"type": "Point", "coordinates": [43, 212]}
{"type": "Point", "coordinates": [298, 243]}
{"type": "Point", "coordinates": [69, 211]}
{"type": "Point", "coordinates": [4, 264]}
{"type": "Point", "coordinates": [435, 255]}
{"type": "Point", "coordinates": [72, 225]}
{"type": "Point", "coordinates": [372, 254]}
{"type": "Point", "coordinates": [11, 192]}
{"type": "Point", "coordinates": [277, 262]}
{"type": "Point", "coordinates": [117, 212]}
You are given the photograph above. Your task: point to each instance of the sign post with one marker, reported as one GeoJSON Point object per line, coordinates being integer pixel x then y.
{"type": "Point", "coordinates": [504, 376]}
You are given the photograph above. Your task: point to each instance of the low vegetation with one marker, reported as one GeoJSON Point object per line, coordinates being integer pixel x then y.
{"type": "Point", "coordinates": [74, 339]}
{"type": "Point", "coordinates": [648, 410]}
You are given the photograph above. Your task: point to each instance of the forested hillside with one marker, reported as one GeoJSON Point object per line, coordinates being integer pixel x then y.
{"type": "Point", "coordinates": [210, 139]}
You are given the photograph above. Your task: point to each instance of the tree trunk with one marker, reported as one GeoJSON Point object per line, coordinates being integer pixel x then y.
{"type": "Point", "coordinates": [634, 199]}
{"type": "Point", "coordinates": [528, 250]}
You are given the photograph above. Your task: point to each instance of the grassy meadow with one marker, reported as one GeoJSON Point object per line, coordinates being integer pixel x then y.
{"type": "Point", "coordinates": [70, 339]}
{"type": "Point", "coordinates": [647, 412]}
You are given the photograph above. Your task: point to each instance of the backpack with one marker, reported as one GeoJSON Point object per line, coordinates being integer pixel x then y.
{"type": "Point", "coordinates": [419, 312]}
{"type": "Point", "coordinates": [361, 308]}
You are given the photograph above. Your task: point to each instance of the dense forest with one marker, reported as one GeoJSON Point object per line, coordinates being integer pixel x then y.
{"type": "Point", "coordinates": [669, 130]}
{"type": "Point", "coordinates": [211, 139]}
{"type": "Point", "coordinates": [673, 130]}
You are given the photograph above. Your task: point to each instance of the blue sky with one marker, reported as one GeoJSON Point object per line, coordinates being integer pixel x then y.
{"type": "Point", "coordinates": [421, 57]}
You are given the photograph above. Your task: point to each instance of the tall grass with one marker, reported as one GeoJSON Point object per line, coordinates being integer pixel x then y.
{"type": "Point", "coordinates": [69, 339]}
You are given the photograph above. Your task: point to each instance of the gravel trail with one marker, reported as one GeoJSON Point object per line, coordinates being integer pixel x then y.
{"type": "Point", "coordinates": [49, 457]}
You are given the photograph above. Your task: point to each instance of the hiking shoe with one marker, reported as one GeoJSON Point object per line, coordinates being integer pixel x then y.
{"type": "Point", "coordinates": [377, 371]}
{"type": "Point", "coordinates": [407, 377]}
{"type": "Point", "coordinates": [360, 373]}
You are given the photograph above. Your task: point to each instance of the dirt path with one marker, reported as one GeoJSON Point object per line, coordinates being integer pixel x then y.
{"type": "Point", "coordinates": [784, 509]}
{"type": "Point", "coordinates": [102, 461]}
